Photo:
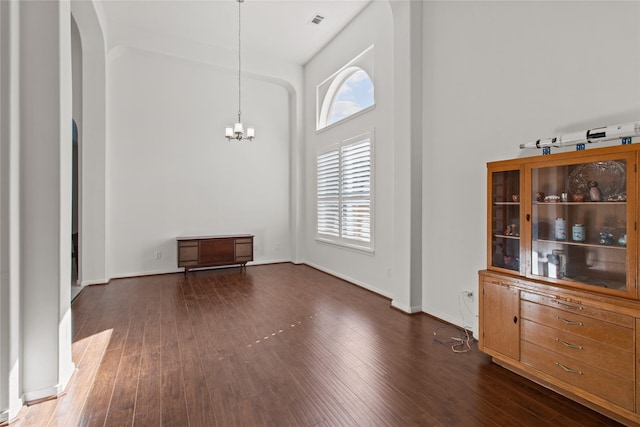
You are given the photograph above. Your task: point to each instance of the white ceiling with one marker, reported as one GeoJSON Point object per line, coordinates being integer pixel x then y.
{"type": "Point", "coordinates": [273, 27]}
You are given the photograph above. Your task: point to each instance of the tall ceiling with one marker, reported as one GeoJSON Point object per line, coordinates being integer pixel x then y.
{"type": "Point", "coordinates": [277, 28]}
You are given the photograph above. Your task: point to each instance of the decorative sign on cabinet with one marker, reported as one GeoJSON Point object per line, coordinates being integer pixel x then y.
{"type": "Point", "coordinates": [214, 251]}
{"type": "Point", "coordinates": [559, 298]}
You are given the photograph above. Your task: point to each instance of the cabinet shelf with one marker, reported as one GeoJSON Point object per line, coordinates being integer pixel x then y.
{"type": "Point", "coordinates": [578, 203]}
{"type": "Point", "coordinates": [504, 236]}
{"type": "Point", "coordinates": [587, 244]}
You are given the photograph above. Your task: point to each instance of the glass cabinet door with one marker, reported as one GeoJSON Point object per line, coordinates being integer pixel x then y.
{"type": "Point", "coordinates": [504, 218]}
{"type": "Point", "coordinates": [579, 223]}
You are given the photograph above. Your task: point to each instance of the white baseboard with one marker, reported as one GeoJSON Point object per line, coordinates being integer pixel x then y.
{"type": "Point", "coordinates": [147, 273]}
{"type": "Point", "coordinates": [43, 393]}
{"type": "Point", "coordinates": [351, 280]}
{"type": "Point", "coordinates": [181, 270]}
{"type": "Point", "coordinates": [4, 416]}
{"type": "Point", "coordinates": [407, 309]}
{"type": "Point", "coordinates": [84, 283]}
{"type": "Point", "coordinates": [452, 320]}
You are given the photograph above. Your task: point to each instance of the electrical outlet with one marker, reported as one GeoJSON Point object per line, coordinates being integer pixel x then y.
{"type": "Point", "coordinates": [158, 254]}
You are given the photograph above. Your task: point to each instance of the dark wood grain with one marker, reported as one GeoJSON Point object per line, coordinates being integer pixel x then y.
{"type": "Point", "coordinates": [278, 345]}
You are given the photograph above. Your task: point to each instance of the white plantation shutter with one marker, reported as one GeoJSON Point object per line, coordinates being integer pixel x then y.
{"type": "Point", "coordinates": [356, 191]}
{"type": "Point", "coordinates": [344, 193]}
{"type": "Point", "coordinates": [329, 193]}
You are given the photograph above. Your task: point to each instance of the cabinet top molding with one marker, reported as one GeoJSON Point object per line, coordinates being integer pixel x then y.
{"type": "Point", "coordinates": [202, 237]}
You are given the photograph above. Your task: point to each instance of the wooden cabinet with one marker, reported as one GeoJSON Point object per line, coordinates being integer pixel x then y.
{"type": "Point", "coordinates": [214, 251]}
{"type": "Point", "coordinates": [562, 258]}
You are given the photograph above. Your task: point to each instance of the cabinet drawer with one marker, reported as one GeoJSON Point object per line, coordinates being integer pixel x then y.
{"type": "Point", "coordinates": [577, 324]}
{"type": "Point", "coordinates": [244, 240]}
{"type": "Point", "coordinates": [615, 389]}
{"type": "Point", "coordinates": [594, 353]}
{"type": "Point", "coordinates": [188, 254]}
{"type": "Point", "coordinates": [188, 243]}
{"type": "Point", "coordinates": [244, 250]}
{"type": "Point", "coordinates": [580, 308]}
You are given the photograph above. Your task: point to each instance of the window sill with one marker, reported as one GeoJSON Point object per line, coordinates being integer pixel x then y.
{"type": "Point", "coordinates": [354, 247]}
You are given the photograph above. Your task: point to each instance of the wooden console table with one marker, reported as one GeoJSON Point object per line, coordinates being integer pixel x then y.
{"type": "Point", "coordinates": [214, 251]}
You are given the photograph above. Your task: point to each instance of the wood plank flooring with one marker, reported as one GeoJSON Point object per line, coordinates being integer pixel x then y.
{"type": "Point", "coordinates": [278, 345]}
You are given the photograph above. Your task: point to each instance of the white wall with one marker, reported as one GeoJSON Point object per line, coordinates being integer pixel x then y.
{"type": "Point", "coordinates": [93, 135]}
{"type": "Point", "coordinates": [497, 74]}
{"type": "Point", "coordinates": [172, 172]}
{"type": "Point", "coordinates": [372, 26]}
{"type": "Point", "coordinates": [45, 197]}
{"type": "Point", "coordinates": [9, 214]}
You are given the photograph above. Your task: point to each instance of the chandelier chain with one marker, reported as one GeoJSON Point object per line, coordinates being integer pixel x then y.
{"type": "Point", "coordinates": [239, 64]}
{"type": "Point", "coordinates": [236, 132]}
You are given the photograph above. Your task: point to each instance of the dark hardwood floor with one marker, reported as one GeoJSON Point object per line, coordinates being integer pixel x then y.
{"type": "Point", "coordinates": [278, 345]}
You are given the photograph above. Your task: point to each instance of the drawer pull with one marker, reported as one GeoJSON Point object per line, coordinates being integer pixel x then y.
{"type": "Point", "coordinates": [569, 322]}
{"type": "Point", "coordinates": [569, 345]}
{"type": "Point", "coordinates": [568, 306]}
{"type": "Point", "coordinates": [569, 370]}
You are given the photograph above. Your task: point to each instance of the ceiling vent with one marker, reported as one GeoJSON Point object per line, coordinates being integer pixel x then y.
{"type": "Point", "coordinates": [317, 19]}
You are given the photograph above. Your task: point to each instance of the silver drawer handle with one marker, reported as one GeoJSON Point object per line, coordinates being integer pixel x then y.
{"type": "Point", "coordinates": [569, 322]}
{"type": "Point", "coordinates": [569, 370]}
{"type": "Point", "coordinates": [568, 306]}
{"type": "Point", "coordinates": [569, 345]}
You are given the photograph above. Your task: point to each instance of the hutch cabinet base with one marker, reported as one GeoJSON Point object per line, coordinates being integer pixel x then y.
{"type": "Point", "coordinates": [214, 251]}
{"type": "Point", "coordinates": [627, 417]}
{"type": "Point", "coordinates": [582, 345]}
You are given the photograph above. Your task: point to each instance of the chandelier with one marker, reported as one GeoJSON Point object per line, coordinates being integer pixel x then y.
{"type": "Point", "coordinates": [237, 132]}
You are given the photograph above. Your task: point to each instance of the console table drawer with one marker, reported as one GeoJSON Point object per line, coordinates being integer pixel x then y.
{"type": "Point", "coordinates": [244, 250]}
{"type": "Point", "coordinates": [188, 252]}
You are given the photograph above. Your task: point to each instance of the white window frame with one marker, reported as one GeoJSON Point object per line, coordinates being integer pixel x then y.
{"type": "Point", "coordinates": [340, 199]}
{"type": "Point", "coordinates": [327, 91]}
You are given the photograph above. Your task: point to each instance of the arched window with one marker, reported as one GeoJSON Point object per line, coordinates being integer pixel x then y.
{"type": "Point", "coordinates": [354, 94]}
{"type": "Point", "coordinates": [346, 93]}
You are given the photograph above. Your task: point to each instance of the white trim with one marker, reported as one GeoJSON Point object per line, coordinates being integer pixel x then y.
{"type": "Point", "coordinates": [346, 119]}
{"type": "Point", "coordinates": [4, 416]}
{"type": "Point", "coordinates": [350, 280]}
{"type": "Point", "coordinates": [345, 244]}
{"type": "Point", "coordinates": [406, 308]}
{"type": "Point", "coordinates": [181, 270]}
{"type": "Point", "coordinates": [450, 319]}
{"type": "Point", "coordinates": [94, 282]}
{"type": "Point", "coordinates": [327, 90]}
{"type": "Point", "coordinates": [46, 392]}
